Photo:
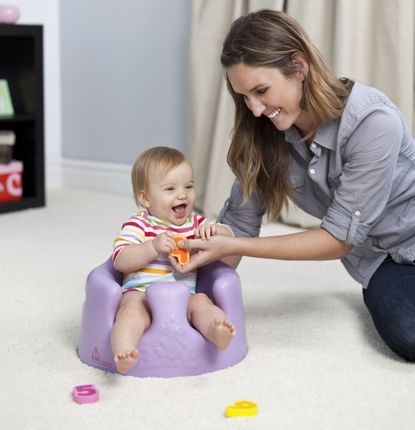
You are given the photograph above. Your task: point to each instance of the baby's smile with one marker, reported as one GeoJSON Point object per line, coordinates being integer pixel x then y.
{"type": "Point", "coordinates": [180, 210]}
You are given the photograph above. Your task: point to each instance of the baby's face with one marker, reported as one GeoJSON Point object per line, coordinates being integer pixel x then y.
{"type": "Point", "coordinates": [171, 197]}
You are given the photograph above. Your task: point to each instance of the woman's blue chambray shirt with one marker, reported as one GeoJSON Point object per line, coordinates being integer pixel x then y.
{"type": "Point", "coordinates": [358, 177]}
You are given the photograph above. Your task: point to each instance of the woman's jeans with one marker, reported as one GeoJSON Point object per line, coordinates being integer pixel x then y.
{"type": "Point", "coordinates": [390, 298]}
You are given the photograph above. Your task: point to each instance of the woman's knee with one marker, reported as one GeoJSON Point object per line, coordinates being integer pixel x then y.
{"type": "Point", "coordinates": [396, 328]}
{"type": "Point", "coordinates": [390, 299]}
{"type": "Point", "coordinates": [403, 344]}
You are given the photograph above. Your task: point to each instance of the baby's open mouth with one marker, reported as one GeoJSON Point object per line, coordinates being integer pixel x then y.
{"type": "Point", "coordinates": [180, 210]}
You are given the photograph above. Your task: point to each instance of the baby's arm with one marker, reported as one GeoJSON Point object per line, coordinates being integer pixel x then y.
{"type": "Point", "coordinates": [205, 231]}
{"type": "Point", "coordinates": [134, 256]}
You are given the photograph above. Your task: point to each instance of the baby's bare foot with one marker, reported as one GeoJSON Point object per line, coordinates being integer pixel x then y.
{"type": "Point", "coordinates": [222, 333]}
{"type": "Point", "coordinates": [125, 360]}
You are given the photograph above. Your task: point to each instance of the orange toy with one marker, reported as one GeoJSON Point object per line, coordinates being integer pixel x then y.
{"type": "Point", "coordinates": [182, 255]}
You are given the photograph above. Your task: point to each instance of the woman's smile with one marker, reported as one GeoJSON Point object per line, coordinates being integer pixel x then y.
{"type": "Point", "coordinates": [273, 114]}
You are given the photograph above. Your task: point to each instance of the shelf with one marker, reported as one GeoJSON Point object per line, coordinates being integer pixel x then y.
{"type": "Point", "coordinates": [21, 64]}
{"type": "Point", "coordinates": [16, 118]}
{"type": "Point", "coordinates": [16, 205]}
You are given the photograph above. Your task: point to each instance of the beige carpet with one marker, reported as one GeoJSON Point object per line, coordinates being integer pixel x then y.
{"type": "Point", "coordinates": [314, 360]}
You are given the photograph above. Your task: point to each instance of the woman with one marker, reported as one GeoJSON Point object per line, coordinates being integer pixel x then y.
{"type": "Point", "coordinates": [339, 149]}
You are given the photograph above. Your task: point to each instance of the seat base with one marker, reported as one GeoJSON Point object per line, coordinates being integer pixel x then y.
{"type": "Point", "coordinates": [171, 346]}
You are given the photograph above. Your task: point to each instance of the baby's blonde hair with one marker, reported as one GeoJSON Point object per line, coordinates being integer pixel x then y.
{"type": "Point", "coordinates": [159, 159]}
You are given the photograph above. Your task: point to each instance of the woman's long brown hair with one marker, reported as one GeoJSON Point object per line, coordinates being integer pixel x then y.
{"type": "Point", "coordinates": [258, 154]}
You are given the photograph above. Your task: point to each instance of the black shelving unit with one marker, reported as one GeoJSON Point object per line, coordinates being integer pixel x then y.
{"type": "Point", "coordinates": [21, 64]}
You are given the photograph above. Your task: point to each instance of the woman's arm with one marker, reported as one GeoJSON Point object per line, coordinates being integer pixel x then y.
{"type": "Point", "coordinates": [243, 217]}
{"type": "Point", "coordinates": [315, 244]}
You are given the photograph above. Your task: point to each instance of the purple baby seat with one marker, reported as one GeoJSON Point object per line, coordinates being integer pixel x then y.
{"type": "Point", "coordinates": [171, 346]}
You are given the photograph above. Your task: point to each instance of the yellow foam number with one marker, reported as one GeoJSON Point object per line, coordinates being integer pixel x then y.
{"type": "Point", "coordinates": [242, 408]}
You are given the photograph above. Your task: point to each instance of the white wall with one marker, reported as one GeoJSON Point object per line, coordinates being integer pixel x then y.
{"type": "Point", "coordinates": [124, 86]}
{"type": "Point", "coordinates": [46, 12]}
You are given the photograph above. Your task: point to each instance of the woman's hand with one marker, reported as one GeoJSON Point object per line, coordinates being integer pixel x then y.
{"type": "Point", "coordinates": [203, 252]}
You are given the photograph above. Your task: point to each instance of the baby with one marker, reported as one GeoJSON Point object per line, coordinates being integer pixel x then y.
{"type": "Point", "coordinates": [162, 180]}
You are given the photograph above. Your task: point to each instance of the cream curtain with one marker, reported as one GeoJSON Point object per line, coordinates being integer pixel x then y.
{"type": "Point", "coordinates": [368, 40]}
{"type": "Point", "coordinates": [211, 110]}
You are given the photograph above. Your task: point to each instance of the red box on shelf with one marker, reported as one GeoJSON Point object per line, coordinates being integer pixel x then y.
{"type": "Point", "coordinates": [11, 181]}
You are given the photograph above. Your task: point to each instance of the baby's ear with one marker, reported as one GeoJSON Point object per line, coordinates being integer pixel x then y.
{"type": "Point", "coordinates": [143, 198]}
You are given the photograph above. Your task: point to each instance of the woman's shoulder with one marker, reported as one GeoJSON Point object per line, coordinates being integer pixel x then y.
{"type": "Point", "coordinates": [363, 97]}
{"type": "Point", "coordinates": [365, 101]}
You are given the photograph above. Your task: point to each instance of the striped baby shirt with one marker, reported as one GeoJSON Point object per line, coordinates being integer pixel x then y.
{"type": "Point", "coordinates": [141, 227]}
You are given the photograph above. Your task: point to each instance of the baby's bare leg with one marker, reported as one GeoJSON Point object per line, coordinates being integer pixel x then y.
{"type": "Point", "coordinates": [210, 320]}
{"type": "Point", "coordinates": [133, 318]}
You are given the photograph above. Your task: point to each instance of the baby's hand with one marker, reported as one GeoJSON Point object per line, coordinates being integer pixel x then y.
{"type": "Point", "coordinates": [205, 231]}
{"type": "Point", "coordinates": [164, 243]}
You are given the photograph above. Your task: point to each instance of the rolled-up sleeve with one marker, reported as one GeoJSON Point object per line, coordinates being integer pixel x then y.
{"type": "Point", "coordinates": [364, 186]}
{"type": "Point", "coordinates": [245, 218]}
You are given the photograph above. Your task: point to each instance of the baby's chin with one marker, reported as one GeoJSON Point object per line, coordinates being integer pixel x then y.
{"type": "Point", "coordinates": [173, 218]}
{"type": "Point", "coordinates": [178, 220]}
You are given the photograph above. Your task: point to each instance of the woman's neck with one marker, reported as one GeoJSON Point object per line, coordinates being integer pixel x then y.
{"type": "Point", "coordinates": [305, 127]}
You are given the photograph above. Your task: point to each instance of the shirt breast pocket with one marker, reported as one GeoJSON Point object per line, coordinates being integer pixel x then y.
{"type": "Point", "coordinates": [297, 183]}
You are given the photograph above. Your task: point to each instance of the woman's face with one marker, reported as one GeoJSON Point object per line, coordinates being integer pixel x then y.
{"type": "Point", "coordinates": [268, 92]}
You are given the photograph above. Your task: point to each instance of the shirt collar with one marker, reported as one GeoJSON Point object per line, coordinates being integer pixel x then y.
{"type": "Point", "coordinates": [326, 134]}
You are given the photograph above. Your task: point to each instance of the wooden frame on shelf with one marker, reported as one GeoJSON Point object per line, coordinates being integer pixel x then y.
{"type": "Point", "coordinates": [6, 105]}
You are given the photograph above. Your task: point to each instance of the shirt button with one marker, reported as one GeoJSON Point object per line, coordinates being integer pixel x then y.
{"type": "Point", "coordinates": [312, 171]}
{"type": "Point", "coordinates": [357, 213]}
{"type": "Point", "coordinates": [313, 145]}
